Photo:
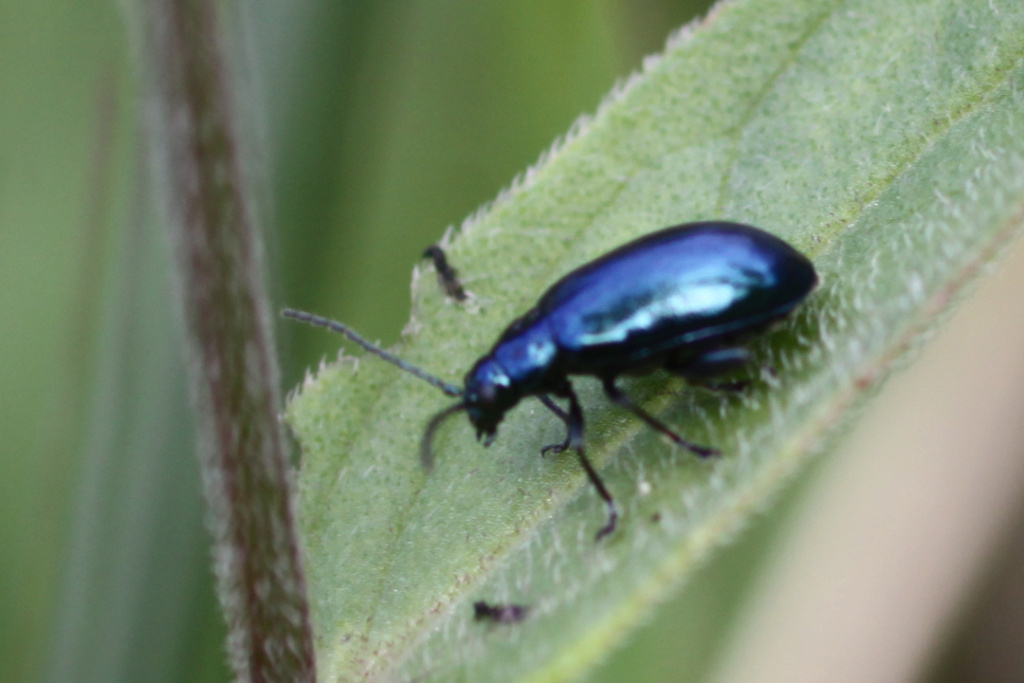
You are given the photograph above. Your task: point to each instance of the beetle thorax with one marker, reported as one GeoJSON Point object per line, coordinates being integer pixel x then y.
{"type": "Point", "coordinates": [519, 365]}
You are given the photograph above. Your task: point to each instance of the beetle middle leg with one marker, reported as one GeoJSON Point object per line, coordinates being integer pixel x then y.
{"type": "Point", "coordinates": [616, 396]}
{"type": "Point", "coordinates": [574, 439]}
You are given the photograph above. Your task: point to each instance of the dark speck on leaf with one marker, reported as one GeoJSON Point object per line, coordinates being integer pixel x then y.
{"type": "Point", "coordinates": [499, 614]}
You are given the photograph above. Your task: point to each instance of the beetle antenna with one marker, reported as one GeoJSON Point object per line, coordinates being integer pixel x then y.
{"type": "Point", "coordinates": [335, 326]}
{"type": "Point", "coordinates": [426, 450]}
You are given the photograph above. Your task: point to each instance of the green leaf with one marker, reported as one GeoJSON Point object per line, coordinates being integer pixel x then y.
{"type": "Point", "coordinates": [883, 139]}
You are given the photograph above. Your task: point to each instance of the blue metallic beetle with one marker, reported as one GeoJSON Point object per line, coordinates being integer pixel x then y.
{"type": "Point", "coordinates": [684, 299]}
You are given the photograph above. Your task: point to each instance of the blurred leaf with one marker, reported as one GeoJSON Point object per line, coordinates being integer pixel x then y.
{"type": "Point", "coordinates": [136, 599]}
{"type": "Point", "coordinates": [106, 567]}
{"type": "Point", "coordinates": [883, 139]}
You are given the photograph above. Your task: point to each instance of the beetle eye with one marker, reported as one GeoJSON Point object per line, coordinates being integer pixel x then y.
{"type": "Point", "coordinates": [488, 393]}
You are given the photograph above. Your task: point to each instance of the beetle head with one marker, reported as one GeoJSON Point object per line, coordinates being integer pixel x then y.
{"type": "Point", "coordinates": [489, 394]}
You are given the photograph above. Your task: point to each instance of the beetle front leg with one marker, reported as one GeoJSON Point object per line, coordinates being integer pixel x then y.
{"type": "Point", "coordinates": [564, 417]}
{"type": "Point", "coordinates": [616, 396]}
{"type": "Point", "coordinates": [574, 421]}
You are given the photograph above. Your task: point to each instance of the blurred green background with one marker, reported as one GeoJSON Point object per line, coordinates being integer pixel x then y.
{"type": "Point", "coordinates": [374, 126]}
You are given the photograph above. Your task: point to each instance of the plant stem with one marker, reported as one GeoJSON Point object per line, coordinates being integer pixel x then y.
{"type": "Point", "coordinates": [211, 214]}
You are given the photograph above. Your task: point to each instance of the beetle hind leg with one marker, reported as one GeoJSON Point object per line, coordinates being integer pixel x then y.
{"type": "Point", "coordinates": [698, 371]}
{"type": "Point", "coordinates": [616, 396]}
